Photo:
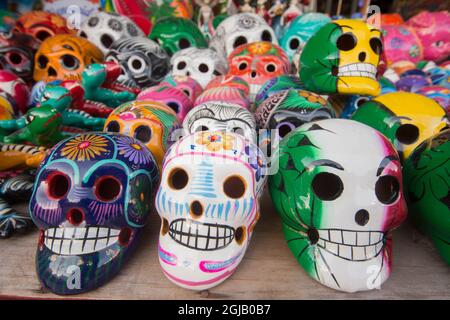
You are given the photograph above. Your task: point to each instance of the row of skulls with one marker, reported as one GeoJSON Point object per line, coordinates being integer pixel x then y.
{"type": "Point", "coordinates": [94, 191]}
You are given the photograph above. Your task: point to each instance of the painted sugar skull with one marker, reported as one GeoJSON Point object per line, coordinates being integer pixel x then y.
{"type": "Point", "coordinates": [342, 57]}
{"type": "Point", "coordinates": [427, 190]}
{"type": "Point", "coordinates": [175, 99]}
{"type": "Point", "coordinates": [184, 83]}
{"type": "Point", "coordinates": [149, 122]}
{"type": "Point", "coordinates": [299, 31]}
{"type": "Point", "coordinates": [103, 28]}
{"type": "Point", "coordinates": [42, 25]}
{"type": "Point", "coordinates": [289, 109]}
{"type": "Point", "coordinates": [221, 116]}
{"type": "Point", "coordinates": [208, 203]}
{"type": "Point", "coordinates": [405, 118]}
{"type": "Point", "coordinates": [339, 203]}
{"type": "Point", "coordinates": [258, 62]}
{"type": "Point", "coordinates": [275, 85]}
{"type": "Point", "coordinates": [17, 53]}
{"type": "Point", "coordinates": [401, 43]}
{"type": "Point", "coordinates": [174, 34]}
{"type": "Point", "coordinates": [239, 29]}
{"type": "Point", "coordinates": [64, 57]}
{"type": "Point", "coordinates": [200, 64]}
{"type": "Point", "coordinates": [17, 89]}
{"type": "Point", "coordinates": [142, 60]}
{"type": "Point", "coordinates": [91, 198]}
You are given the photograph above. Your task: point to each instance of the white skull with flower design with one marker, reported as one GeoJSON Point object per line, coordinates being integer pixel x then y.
{"type": "Point", "coordinates": [208, 203]}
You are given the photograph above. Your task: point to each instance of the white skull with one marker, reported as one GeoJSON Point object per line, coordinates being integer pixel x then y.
{"type": "Point", "coordinates": [201, 65]}
{"type": "Point", "coordinates": [220, 116]}
{"type": "Point", "coordinates": [208, 203]}
{"type": "Point", "coordinates": [103, 28]}
{"type": "Point", "coordinates": [241, 29]}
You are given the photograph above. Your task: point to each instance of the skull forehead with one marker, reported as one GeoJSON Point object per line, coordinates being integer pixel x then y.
{"type": "Point", "coordinates": [242, 21]}
{"type": "Point", "coordinates": [222, 111]}
{"type": "Point", "coordinates": [137, 44]}
{"type": "Point", "coordinates": [193, 53]}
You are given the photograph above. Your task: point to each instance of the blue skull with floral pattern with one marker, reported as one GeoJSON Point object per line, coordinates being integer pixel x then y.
{"type": "Point", "coordinates": [91, 198]}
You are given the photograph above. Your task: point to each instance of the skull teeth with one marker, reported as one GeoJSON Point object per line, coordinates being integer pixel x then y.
{"type": "Point", "coordinates": [201, 236]}
{"type": "Point", "coordinates": [351, 245]}
{"type": "Point", "coordinates": [76, 241]}
{"type": "Point", "coordinates": [358, 70]}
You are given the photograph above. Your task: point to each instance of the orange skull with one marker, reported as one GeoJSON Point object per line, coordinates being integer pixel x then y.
{"type": "Point", "coordinates": [64, 57]}
{"type": "Point", "coordinates": [42, 25]}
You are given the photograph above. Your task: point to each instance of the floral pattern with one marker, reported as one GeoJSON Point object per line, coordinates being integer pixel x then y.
{"type": "Point", "coordinates": [215, 141]}
{"type": "Point", "coordinates": [260, 47]}
{"type": "Point", "coordinates": [134, 152]}
{"type": "Point", "coordinates": [256, 162]}
{"type": "Point", "coordinates": [85, 147]}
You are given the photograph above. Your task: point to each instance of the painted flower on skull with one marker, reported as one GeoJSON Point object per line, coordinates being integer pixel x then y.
{"type": "Point", "coordinates": [134, 152]}
{"type": "Point", "coordinates": [215, 141]}
{"type": "Point", "coordinates": [85, 147]}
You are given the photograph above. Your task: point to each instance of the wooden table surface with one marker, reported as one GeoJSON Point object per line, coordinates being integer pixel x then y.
{"type": "Point", "coordinates": [268, 270]}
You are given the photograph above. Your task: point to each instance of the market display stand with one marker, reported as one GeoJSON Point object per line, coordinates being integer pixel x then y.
{"type": "Point", "coordinates": [268, 270]}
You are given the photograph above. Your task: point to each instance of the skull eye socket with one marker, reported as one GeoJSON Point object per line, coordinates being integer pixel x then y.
{"type": "Point", "coordinates": [15, 58]}
{"type": "Point", "coordinates": [407, 133]}
{"type": "Point", "coordinates": [376, 45]}
{"type": "Point", "coordinates": [183, 43]}
{"type": "Point", "coordinates": [178, 179]}
{"type": "Point", "coordinates": [136, 64]}
{"type": "Point", "coordinates": [284, 128]}
{"type": "Point", "coordinates": [387, 189]}
{"type": "Point", "coordinates": [201, 128]}
{"type": "Point", "coordinates": [271, 68]}
{"type": "Point", "coordinates": [107, 188]}
{"type": "Point", "coordinates": [106, 40]}
{"type": "Point", "coordinates": [239, 41]}
{"type": "Point", "coordinates": [143, 134]}
{"type": "Point", "coordinates": [266, 36]}
{"type": "Point", "coordinates": [181, 65]}
{"type": "Point", "coordinates": [238, 130]}
{"type": "Point", "coordinates": [203, 68]}
{"type": "Point", "coordinates": [42, 62]}
{"type": "Point", "coordinates": [42, 35]}
{"type": "Point", "coordinates": [113, 126]}
{"type": "Point", "coordinates": [174, 106]}
{"type": "Point", "coordinates": [294, 43]}
{"type": "Point", "coordinates": [242, 66]}
{"type": "Point", "coordinates": [58, 185]}
{"type": "Point", "coordinates": [327, 186]}
{"type": "Point", "coordinates": [83, 34]}
{"type": "Point", "coordinates": [346, 42]}
{"type": "Point", "coordinates": [234, 187]}
{"type": "Point", "coordinates": [69, 62]}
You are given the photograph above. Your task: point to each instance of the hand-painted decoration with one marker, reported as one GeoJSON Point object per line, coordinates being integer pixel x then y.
{"type": "Point", "coordinates": [150, 122]}
{"type": "Point", "coordinates": [335, 239]}
{"type": "Point", "coordinates": [342, 57]}
{"type": "Point", "coordinates": [103, 28]}
{"type": "Point", "coordinates": [17, 89]}
{"type": "Point", "coordinates": [91, 198]}
{"type": "Point", "coordinates": [208, 202]}
{"type": "Point", "coordinates": [427, 190]}
{"type": "Point", "coordinates": [275, 85]}
{"type": "Point", "coordinates": [200, 64]}
{"type": "Point", "coordinates": [64, 57]}
{"type": "Point", "coordinates": [142, 60]}
{"type": "Point", "coordinates": [184, 83]}
{"type": "Point", "coordinates": [239, 29]}
{"type": "Point", "coordinates": [221, 116]}
{"type": "Point", "coordinates": [406, 119]}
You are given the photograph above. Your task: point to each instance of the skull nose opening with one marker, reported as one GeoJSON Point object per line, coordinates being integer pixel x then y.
{"type": "Point", "coordinates": [51, 72]}
{"type": "Point", "coordinates": [362, 217]}
{"type": "Point", "coordinates": [188, 73]}
{"type": "Point", "coordinates": [124, 236]}
{"type": "Point", "coordinates": [253, 74]}
{"type": "Point", "coordinates": [164, 226]}
{"type": "Point", "coordinates": [313, 235]}
{"type": "Point", "coordinates": [75, 216]}
{"type": "Point", "coordinates": [362, 56]}
{"type": "Point", "coordinates": [196, 209]}
{"type": "Point", "coordinates": [239, 235]}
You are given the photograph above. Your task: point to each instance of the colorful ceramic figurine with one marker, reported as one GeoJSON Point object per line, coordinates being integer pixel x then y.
{"type": "Point", "coordinates": [258, 62]}
{"type": "Point", "coordinates": [208, 202]}
{"type": "Point", "coordinates": [17, 89]}
{"type": "Point", "coordinates": [427, 190]}
{"type": "Point", "coordinates": [64, 57]}
{"type": "Point", "coordinates": [406, 119]}
{"type": "Point", "coordinates": [186, 84]}
{"type": "Point", "coordinates": [42, 25]}
{"type": "Point", "coordinates": [239, 29]}
{"type": "Point", "coordinates": [200, 64]}
{"type": "Point", "coordinates": [221, 116]}
{"type": "Point", "coordinates": [142, 60]}
{"type": "Point", "coordinates": [401, 43]}
{"type": "Point", "coordinates": [17, 53]}
{"type": "Point", "coordinates": [150, 122]}
{"type": "Point", "coordinates": [174, 34]}
{"type": "Point", "coordinates": [91, 198]}
{"type": "Point", "coordinates": [298, 32]}
{"type": "Point", "coordinates": [275, 85]}
{"type": "Point", "coordinates": [103, 28]}
{"type": "Point", "coordinates": [342, 57]}
{"type": "Point", "coordinates": [289, 109]}
{"type": "Point", "coordinates": [340, 242]}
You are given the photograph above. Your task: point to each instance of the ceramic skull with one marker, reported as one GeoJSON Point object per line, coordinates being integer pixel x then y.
{"type": "Point", "coordinates": [208, 203]}
{"type": "Point", "coordinates": [91, 198]}
{"type": "Point", "coordinates": [339, 203]}
{"type": "Point", "coordinates": [200, 64]}
{"type": "Point", "coordinates": [103, 28]}
{"type": "Point", "coordinates": [221, 116]}
{"type": "Point", "coordinates": [142, 60]}
{"type": "Point", "coordinates": [239, 29]}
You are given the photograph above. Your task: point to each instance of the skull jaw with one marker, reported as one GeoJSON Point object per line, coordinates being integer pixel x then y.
{"type": "Point", "coordinates": [358, 85]}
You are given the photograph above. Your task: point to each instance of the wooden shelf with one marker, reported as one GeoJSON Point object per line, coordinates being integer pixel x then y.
{"type": "Point", "coordinates": [268, 270]}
